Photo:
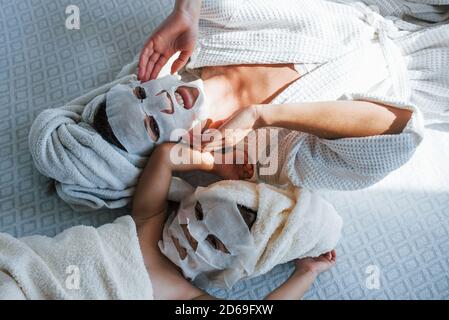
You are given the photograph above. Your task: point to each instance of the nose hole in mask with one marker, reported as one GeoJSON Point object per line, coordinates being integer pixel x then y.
{"type": "Point", "coordinates": [217, 244]}
{"type": "Point", "coordinates": [171, 108]}
{"type": "Point", "coordinates": [199, 212]}
{"type": "Point", "coordinates": [192, 241]}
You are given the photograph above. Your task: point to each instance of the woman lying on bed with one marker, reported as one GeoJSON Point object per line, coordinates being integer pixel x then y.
{"type": "Point", "coordinates": [345, 87]}
{"type": "Point", "coordinates": [115, 262]}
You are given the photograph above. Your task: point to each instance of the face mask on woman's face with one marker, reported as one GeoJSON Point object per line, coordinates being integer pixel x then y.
{"type": "Point", "coordinates": [143, 115]}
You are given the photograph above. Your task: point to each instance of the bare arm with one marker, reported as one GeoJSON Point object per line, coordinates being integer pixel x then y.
{"type": "Point", "coordinates": [306, 272]}
{"type": "Point", "coordinates": [307, 269]}
{"type": "Point", "coordinates": [154, 183]}
{"type": "Point", "coordinates": [326, 120]}
{"type": "Point", "coordinates": [295, 287]}
{"type": "Point", "coordinates": [335, 119]}
{"type": "Point", "coordinates": [149, 214]}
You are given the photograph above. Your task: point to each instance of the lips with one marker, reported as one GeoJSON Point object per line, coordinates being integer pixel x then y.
{"type": "Point", "coordinates": [189, 96]}
{"type": "Point", "coordinates": [185, 97]}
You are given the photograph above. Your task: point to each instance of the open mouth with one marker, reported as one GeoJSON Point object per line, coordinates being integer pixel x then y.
{"type": "Point", "coordinates": [186, 96]}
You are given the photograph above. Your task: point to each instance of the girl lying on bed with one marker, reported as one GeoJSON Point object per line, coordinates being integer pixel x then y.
{"type": "Point", "coordinates": [217, 236]}
{"type": "Point", "coordinates": [230, 230]}
{"type": "Point", "coordinates": [346, 87]}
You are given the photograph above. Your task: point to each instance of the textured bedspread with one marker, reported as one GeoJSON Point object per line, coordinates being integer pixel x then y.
{"type": "Point", "coordinates": [397, 229]}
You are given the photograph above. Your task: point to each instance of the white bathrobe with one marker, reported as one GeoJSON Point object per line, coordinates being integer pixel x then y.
{"type": "Point", "coordinates": [423, 12]}
{"type": "Point", "coordinates": [80, 263]}
{"type": "Point", "coordinates": [355, 54]}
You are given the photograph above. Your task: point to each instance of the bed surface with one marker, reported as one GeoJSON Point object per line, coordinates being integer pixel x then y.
{"type": "Point", "coordinates": [400, 226]}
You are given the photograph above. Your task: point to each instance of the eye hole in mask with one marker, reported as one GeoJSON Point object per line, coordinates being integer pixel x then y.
{"type": "Point", "coordinates": [199, 212]}
{"type": "Point", "coordinates": [181, 251]}
{"type": "Point", "coordinates": [248, 215]}
{"type": "Point", "coordinates": [140, 93]}
{"type": "Point", "coordinates": [216, 243]}
{"type": "Point", "coordinates": [152, 128]}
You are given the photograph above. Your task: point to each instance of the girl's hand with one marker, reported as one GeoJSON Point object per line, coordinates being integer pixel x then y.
{"type": "Point", "coordinates": [177, 33]}
{"type": "Point", "coordinates": [233, 130]}
{"type": "Point", "coordinates": [307, 269]}
{"type": "Point", "coordinates": [317, 265]}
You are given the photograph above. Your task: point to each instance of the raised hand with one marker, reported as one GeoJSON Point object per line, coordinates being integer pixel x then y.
{"type": "Point", "coordinates": [177, 33]}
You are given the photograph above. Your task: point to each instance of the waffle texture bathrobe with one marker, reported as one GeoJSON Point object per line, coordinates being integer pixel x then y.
{"type": "Point", "coordinates": [423, 12]}
{"type": "Point", "coordinates": [349, 51]}
{"type": "Point", "coordinates": [342, 50]}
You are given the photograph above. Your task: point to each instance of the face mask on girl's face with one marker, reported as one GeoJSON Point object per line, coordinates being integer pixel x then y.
{"type": "Point", "coordinates": [143, 115]}
{"type": "Point", "coordinates": [206, 235]}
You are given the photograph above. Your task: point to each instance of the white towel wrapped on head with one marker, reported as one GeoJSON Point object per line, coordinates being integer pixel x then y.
{"type": "Point", "coordinates": [89, 172]}
{"type": "Point", "coordinates": [291, 223]}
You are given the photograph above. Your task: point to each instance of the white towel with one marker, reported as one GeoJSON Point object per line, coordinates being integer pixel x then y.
{"type": "Point", "coordinates": [89, 172]}
{"type": "Point", "coordinates": [107, 261]}
{"type": "Point", "coordinates": [291, 223]}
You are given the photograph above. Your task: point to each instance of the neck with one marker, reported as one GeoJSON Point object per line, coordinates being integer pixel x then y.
{"type": "Point", "coordinates": [222, 93]}
{"type": "Point", "coordinates": [230, 88]}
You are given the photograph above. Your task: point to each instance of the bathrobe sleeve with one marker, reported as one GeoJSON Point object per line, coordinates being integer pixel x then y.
{"type": "Point", "coordinates": [218, 12]}
{"type": "Point", "coordinates": [353, 163]}
{"type": "Point", "coordinates": [345, 164]}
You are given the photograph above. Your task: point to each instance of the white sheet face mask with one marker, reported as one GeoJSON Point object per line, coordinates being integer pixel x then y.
{"type": "Point", "coordinates": [221, 219]}
{"type": "Point", "coordinates": [143, 115]}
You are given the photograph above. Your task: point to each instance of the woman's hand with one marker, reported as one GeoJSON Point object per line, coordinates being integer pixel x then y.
{"type": "Point", "coordinates": [178, 32]}
{"type": "Point", "coordinates": [225, 164]}
{"type": "Point", "coordinates": [227, 167]}
{"type": "Point", "coordinates": [233, 130]}
{"type": "Point", "coordinates": [317, 265]}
